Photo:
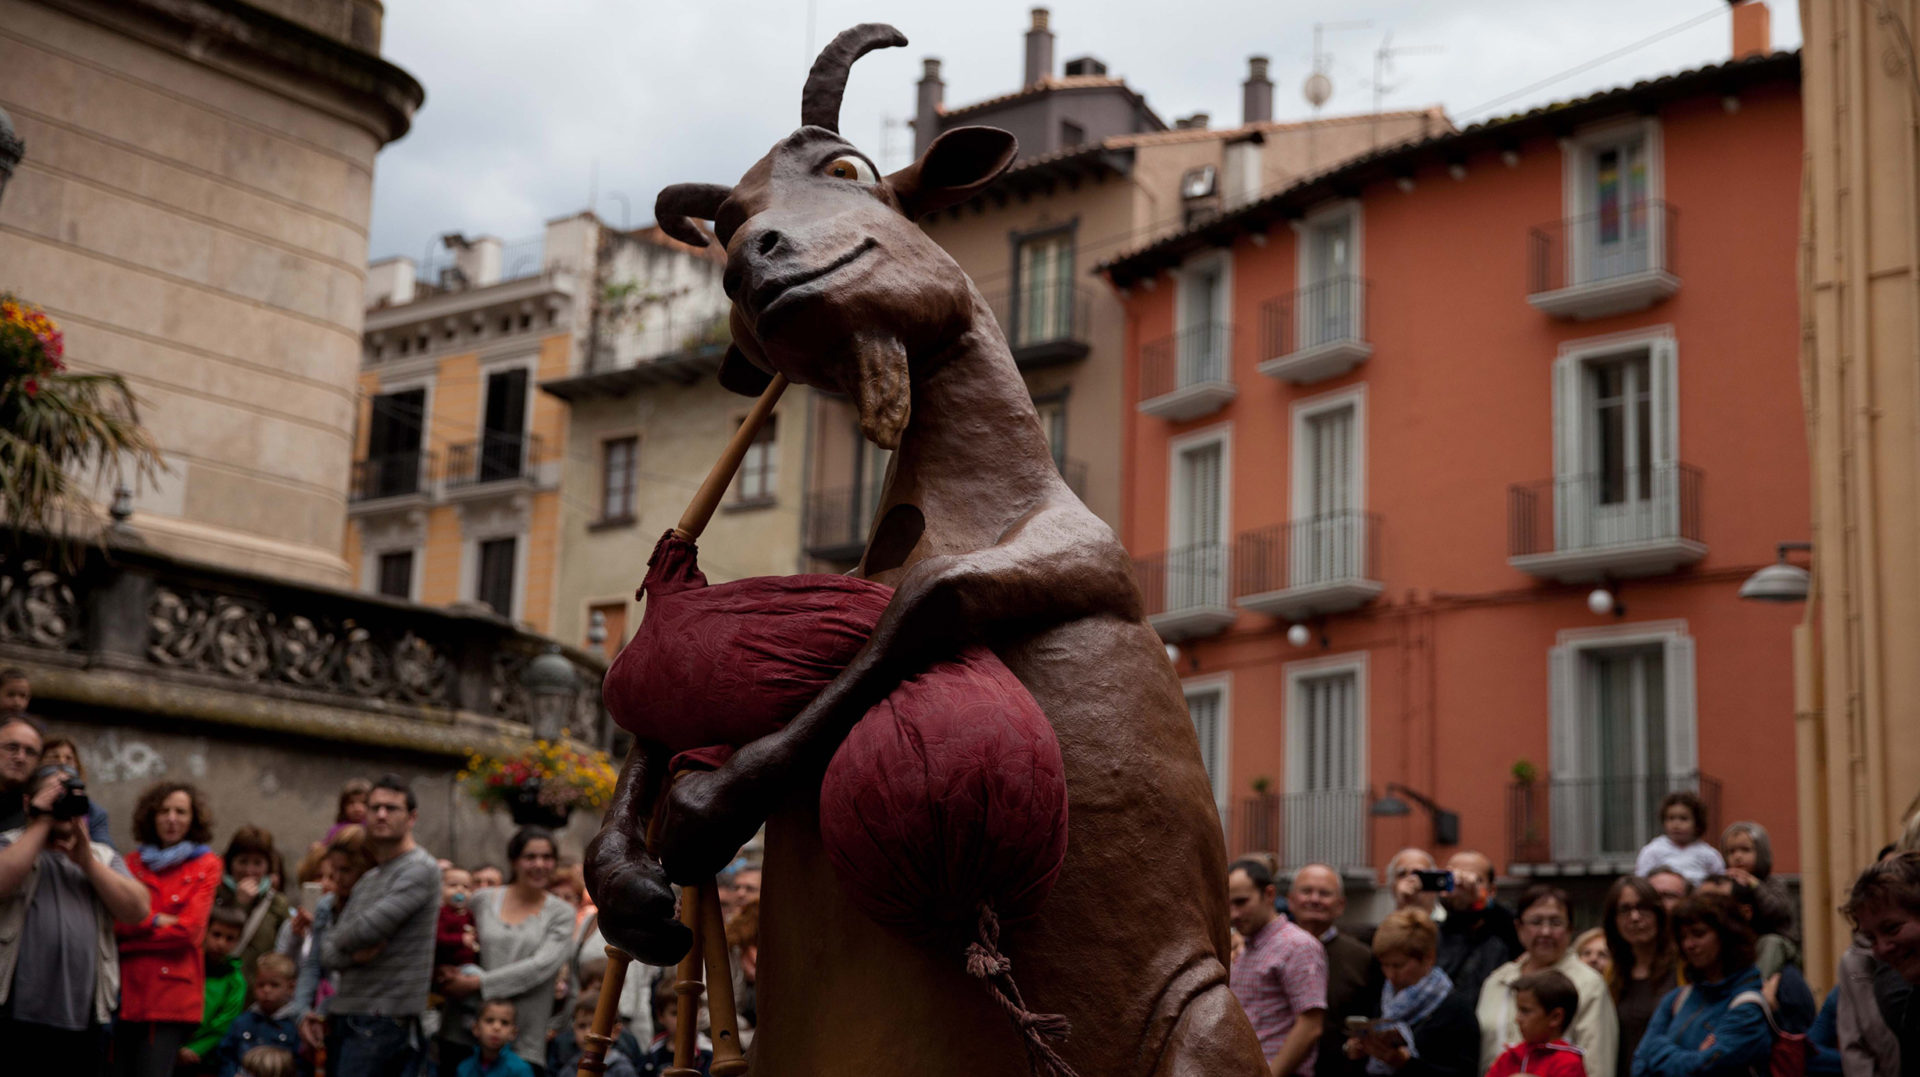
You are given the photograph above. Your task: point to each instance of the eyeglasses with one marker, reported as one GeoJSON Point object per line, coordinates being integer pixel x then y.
{"type": "Point", "coordinates": [1539, 922]}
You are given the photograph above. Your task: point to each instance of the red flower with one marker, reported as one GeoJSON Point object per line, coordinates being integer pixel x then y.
{"type": "Point", "coordinates": [32, 386]}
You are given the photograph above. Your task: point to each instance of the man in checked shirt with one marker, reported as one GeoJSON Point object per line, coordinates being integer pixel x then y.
{"type": "Point", "coordinates": [1281, 978]}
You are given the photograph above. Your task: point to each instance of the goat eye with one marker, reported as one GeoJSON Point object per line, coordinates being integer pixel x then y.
{"type": "Point", "coordinates": [851, 168]}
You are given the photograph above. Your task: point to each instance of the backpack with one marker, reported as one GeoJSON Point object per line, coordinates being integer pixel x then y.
{"type": "Point", "coordinates": [1788, 1058]}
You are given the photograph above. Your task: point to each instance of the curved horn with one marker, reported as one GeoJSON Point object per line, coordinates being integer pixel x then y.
{"type": "Point", "coordinates": [820, 101]}
{"type": "Point", "coordinates": [681, 201]}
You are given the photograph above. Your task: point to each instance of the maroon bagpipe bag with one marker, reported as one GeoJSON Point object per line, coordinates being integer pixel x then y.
{"type": "Point", "coordinates": [945, 809]}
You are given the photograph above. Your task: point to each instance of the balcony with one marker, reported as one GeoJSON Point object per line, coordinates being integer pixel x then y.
{"type": "Point", "coordinates": [394, 480]}
{"type": "Point", "coordinates": [1046, 322]}
{"type": "Point", "coordinates": [1187, 375]}
{"type": "Point", "coordinates": [1318, 332]}
{"type": "Point", "coordinates": [1328, 827]}
{"type": "Point", "coordinates": [838, 521]}
{"type": "Point", "coordinates": [1185, 591]}
{"type": "Point", "coordinates": [1591, 826]}
{"type": "Point", "coordinates": [1308, 568]}
{"type": "Point", "coordinates": [496, 463]}
{"type": "Point", "coordinates": [1609, 262]}
{"type": "Point", "coordinates": [1620, 524]}
{"type": "Point", "coordinates": [1074, 472]}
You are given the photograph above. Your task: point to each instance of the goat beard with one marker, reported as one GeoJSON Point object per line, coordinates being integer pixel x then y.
{"type": "Point", "coordinates": [885, 389]}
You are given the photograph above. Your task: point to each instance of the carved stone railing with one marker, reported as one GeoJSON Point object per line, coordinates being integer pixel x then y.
{"type": "Point", "coordinates": [189, 638]}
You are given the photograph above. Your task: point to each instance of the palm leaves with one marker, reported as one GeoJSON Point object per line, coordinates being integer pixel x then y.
{"type": "Point", "coordinates": [58, 430]}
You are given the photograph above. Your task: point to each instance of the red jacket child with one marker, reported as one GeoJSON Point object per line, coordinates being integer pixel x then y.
{"type": "Point", "coordinates": [162, 972]}
{"type": "Point", "coordinates": [1555, 1058]}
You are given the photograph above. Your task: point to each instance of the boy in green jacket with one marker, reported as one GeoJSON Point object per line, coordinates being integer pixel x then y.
{"type": "Point", "coordinates": [226, 993]}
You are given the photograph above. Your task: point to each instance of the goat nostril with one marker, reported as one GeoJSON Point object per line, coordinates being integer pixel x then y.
{"type": "Point", "coordinates": [768, 240]}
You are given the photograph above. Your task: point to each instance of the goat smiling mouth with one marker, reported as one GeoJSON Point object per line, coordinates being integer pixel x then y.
{"type": "Point", "coordinates": [769, 295]}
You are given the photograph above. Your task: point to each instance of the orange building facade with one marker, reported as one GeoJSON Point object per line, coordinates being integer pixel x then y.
{"type": "Point", "coordinates": [1391, 429]}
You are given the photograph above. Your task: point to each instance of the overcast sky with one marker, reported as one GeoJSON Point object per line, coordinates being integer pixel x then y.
{"type": "Point", "coordinates": [523, 110]}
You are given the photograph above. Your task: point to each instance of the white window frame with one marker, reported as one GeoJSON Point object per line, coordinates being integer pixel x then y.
{"type": "Point", "coordinates": [1295, 674]}
{"type": "Point", "coordinates": [487, 368]}
{"type": "Point", "coordinates": [1303, 276]}
{"type": "Point", "coordinates": [1576, 159]}
{"type": "Point", "coordinates": [1220, 684]}
{"type": "Point", "coordinates": [1300, 495]}
{"type": "Point", "coordinates": [430, 479]}
{"type": "Point", "coordinates": [370, 566]}
{"type": "Point", "coordinates": [470, 562]}
{"type": "Point", "coordinates": [1574, 523]}
{"type": "Point", "coordinates": [1576, 832]}
{"type": "Point", "coordinates": [1185, 318]}
{"type": "Point", "coordinates": [1179, 529]}
{"type": "Point", "coordinates": [633, 492]}
{"type": "Point", "coordinates": [770, 469]}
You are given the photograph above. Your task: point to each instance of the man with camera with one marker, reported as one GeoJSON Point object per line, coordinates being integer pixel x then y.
{"type": "Point", "coordinates": [59, 964]}
{"type": "Point", "coordinates": [1478, 935]}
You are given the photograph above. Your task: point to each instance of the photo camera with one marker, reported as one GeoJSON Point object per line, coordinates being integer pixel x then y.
{"type": "Point", "coordinates": [72, 803]}
{"type": "Point", "coordinates": [1441, 881]}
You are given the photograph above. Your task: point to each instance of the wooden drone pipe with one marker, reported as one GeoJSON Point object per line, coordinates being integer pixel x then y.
{"type": "Point", "coordinates": [687, 987]}
{"type": "Point", "coordinates": [714, 489]}
{"type": "Point", "coordinates": [723, 1022]}
{"type": "Point", "coordinates": [593, 1049]}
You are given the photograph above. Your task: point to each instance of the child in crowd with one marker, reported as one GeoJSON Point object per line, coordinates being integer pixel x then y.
{"type": "Point", "coordinates": [352, 809]}
{"type": "Point", "coordinates": [16, 692]}
{"type": "Point", "coordinates": [226, 989]}
{"type": "Point", "coordinates": [1683, 821]}
{"type": "Point", "coordinates": [493, 1032]}
{"type": "Point", "coordinates": [486, 877]}
{"type": "Point", "coordinates": [665, 1006]}
{"type": "Point", "coordinates": [455, 941]}
{"type": "Point", "coordinates": [266, 1024]}
{"type": "Point", "coordinates": [1543, 1004]}
{"type": "Point", "coordinates": [63, 752]}
{"type": "Point", "coordinates": [620, 1057]}
{"type": "Point", "coordinates": [267, 1062]}
{"type": "Point", "coordinates": [248, 887]}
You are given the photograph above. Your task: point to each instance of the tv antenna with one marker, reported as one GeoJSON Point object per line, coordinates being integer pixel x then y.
{"type": "Point", "coordinates": [1319, 85]}
{"type": "Point", "coordinates": [1382, 62]}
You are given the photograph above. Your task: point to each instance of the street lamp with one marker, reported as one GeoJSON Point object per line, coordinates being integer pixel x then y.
{"type": "Point", "coordinates": [1446, 824]}
{"type": "Point", "coordinates": [552, 689]}
{"type": "Point", "coordinates": [11, 150]}
{"type": "Point", "coordinates": [1781, 581]}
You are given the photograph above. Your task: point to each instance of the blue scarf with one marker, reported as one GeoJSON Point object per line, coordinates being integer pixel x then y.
{"type": "Point", "coordinates": [158, 859]}
{"type": "Point", "coordinates": [1401, 1010]}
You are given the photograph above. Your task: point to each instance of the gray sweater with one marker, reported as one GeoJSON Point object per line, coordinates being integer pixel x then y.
{"type": "Point", "coordinates": [394, 906]}
{"type": "Point", "coordinates": [520, 962]}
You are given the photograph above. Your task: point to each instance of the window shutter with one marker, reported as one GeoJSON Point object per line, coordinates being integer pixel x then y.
{"type": "Point", "coordinates": [1569, 454]}
{"type": "Point", "coordinates": [1663, 373]}
{"type": "Point", "coordinates": [1683, 748]}
{"type": "Point", "coordinates": [1568, 760]}
{"type": "Point", "coordinates": [1204, 709]}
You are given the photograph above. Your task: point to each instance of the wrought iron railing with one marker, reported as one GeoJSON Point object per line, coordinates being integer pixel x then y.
{"type": "Point", "coordinates": [1326, 827]}
{"type": "Point", "coordinates": [1603, 245]}
{"type": "Point", "coordinates": [1566, 820]}
{"type": "Point", "coordinates": [1327, 312]}
{"type": "Point", "coordinates": [1074, 472]}
{"type": "Point", "coordinates": [1188, 577]}
{"type": "Point", "coordinates": [838, 520]}
{"type": "Point", "coordinates": [1041, 313]}
{"type": "Point", "coordinates": [1328, 548]}
{"type": "Point", "coordinates": [391, 475]}
{"type": "Point", "coordinates": [1613, 508]}
{"type": "Point", "coordinates": [1196, 355]}
{"type": "Point", "coordinates": [496, 457]}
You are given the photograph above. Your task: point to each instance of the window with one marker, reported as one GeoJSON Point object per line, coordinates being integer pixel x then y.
{"type": "Point", "coordinates": [1328, 531]}
{"type": "Point", "coordinates": [1623, 735]}
{"type": "Point", "coordinates": [1043, 296]}
{"type": "Point", "coordinates": [1196, 559]}
{"type": "Point", "coordinates": [1207, 706]}
{"type": "Point", "coordinates": [1326, 807]}
{"type": "Point", "coordinates": [1328, 306]}
{"type": "Point", "coordinates": [494, 585]}
{"type": "Point", "coordinates": [1617, 475]}
{"type": "Point", "coordinates": [1613, 186]}
{"type": "Point", "coordinates": [1071, 134]}
{"type": "Point", "coordinates": [395, 425]}
{"type": "Point", "coordinates": [1201, 317]}
{"type": "Point", "coordinates": [756, 483]}
{"type": "Point", "coordinates": [394, 574]}
{"type": "Point", "coordinates": [503, 435]}
{"type": "Point", "coordinates": [619, 473]}
{"type": "Point", "coordinates": [1053, 425]}
{"type": "Point", "coordinates": [612, 619]}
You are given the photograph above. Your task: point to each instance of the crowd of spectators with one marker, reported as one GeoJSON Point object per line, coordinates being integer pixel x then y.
{"type": "Point", "coordinates": [370, 959]}
{"type": "Point", "coordinates": [1692, 970]}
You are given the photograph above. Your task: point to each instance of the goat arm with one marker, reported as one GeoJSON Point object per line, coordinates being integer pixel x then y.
{"type": "Point", "coordinates": [626, 881]}
{"type": "Point", "coordinates": [1053, 566]}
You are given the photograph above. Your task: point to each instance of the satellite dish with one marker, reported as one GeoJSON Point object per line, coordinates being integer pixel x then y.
{"type": "Point", "coordinates": [1318, 88]}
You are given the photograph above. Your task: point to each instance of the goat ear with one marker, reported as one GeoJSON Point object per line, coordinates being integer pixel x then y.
{"type": "Point", "coordinates": [955, 168]}
{"type": "Point", "coordinates": [739, 375]}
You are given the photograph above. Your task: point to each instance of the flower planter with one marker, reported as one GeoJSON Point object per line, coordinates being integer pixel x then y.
{"type": "Point", "coordinates": [527, 810]}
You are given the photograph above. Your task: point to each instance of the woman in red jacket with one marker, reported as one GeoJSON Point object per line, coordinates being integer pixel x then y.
{"type": "Point", "coordinates": [162, 967]}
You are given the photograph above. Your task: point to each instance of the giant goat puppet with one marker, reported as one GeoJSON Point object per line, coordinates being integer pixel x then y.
{"type": "Point", "coordinates": [835, 287]}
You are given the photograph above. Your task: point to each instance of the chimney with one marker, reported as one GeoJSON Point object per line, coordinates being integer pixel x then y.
{"type": "Point", "coordinates": [926, 113]}
{"type": "Point", "coordinates": [1039, 49]}
{"type": "Point", "coordinates": [1196, 122]}
{"type": "Point", "coordinates": [390, 282]}
{"type": "Point", "coordinates": [1752, 29]}
{"type": "Point", "coordinates": [1256, 94]}
{"type": "Point", "coordinates": [477, 261]}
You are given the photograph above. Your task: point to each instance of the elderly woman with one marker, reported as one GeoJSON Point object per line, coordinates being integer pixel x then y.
{"type": "Point", "coordinates": [162, 965]}
{"type": "Point", "coordinates": [1645, 962]}
{"type": "Point", "coordinates": [1715, 1024]}
{"type": "Point", "coordinates": [1424, 1029]}
{"type": "Point", "coordinates": [1546, 930]}
{"type": "Point", "coordinates": [526, 935]}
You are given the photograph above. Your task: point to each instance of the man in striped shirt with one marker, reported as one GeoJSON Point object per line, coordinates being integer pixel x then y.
{"type": "Point", "coordinates": [1281, 978]}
